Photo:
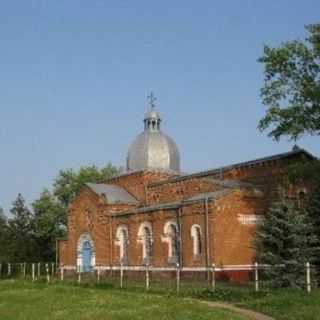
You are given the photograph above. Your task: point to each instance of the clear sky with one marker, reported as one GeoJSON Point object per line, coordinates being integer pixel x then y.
{"type": "Point", "coordinates": [74, 76]}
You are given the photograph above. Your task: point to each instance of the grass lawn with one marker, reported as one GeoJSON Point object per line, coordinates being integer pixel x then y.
{"type": "Point", "coordinates": [24, 300]}
{"type": "Point", "coordinates": [282, 304]}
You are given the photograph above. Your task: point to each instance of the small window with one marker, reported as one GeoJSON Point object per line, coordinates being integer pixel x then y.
{"type": "Point", "coordinates": [145, 238]}
{"type": "Point", "coordinates": [153, 124]}
{"type": "Point", "coordinates": [123, 242]}
{"type": "Point", "coordinates": [171, 236]}
{"type": "Point", "coordinates": [196, 237]}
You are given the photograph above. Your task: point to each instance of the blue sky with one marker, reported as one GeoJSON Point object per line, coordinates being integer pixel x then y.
{"type": "Point", "coordinates": [74, 76]}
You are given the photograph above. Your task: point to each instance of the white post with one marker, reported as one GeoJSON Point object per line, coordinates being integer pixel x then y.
{"type": "Point", "coordinates": [98, 275]}
{"type": "Point", "coordinates": [39, 270]}
{"type": "Point", "coordinates": [61, 273]}
{"type": "Point", "coordinates": [47, 271]}
{"type": "Point", "coordinates": [24, 270]}
{"type": "Point", "coordinates": [147, 277]}
{"type": "Point", "coordinates": [213, 277]}
{"type": "Point", "coordinates": [256, 276]}
{"type": "Point", "coordinates": [308, 277]}
{"type": "Point", "coordinates": [9, 269]}
{"type": "Point", "coordinates": [33, 272]}
{"type": "Point", "coordinates": [178, 277]}
{"type": "Point", "coordinates": [52, 269]}
{"type": "Point", "coordinates": [79, 276]}
{"type": "Point", "coordinates": [121, 276]}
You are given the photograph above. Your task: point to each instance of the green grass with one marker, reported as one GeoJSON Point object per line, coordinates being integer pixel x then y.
{"type": "Point", "coordinates": [25, 300]}
{"type": "Point", "coordinates": [282, 304]}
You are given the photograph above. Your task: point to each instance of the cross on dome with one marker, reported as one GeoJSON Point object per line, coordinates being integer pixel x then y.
{"type": "Point", "coordinates": [153, 149]}
{"type": "Point", "coordinates": [152, 100]}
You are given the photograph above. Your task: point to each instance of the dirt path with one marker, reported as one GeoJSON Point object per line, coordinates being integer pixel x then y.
{"type": "Point", "coordinates": [245, 312]}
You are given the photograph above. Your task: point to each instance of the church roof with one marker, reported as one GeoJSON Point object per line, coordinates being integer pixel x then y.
{"type": "Point", "coordinates": [175, 205]}
{"type": "Point", "coordinates": [153, 149]}
{"type": "Point", "coordinates": [112, 193]}
{"type": "Point", "coordinates": [295, 151]}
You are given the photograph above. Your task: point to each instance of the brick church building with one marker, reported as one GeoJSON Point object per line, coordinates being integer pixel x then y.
{"type": "Point", "coordinates": [153, 214]}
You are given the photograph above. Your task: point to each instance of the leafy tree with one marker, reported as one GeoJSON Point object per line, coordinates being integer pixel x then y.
{"type": "Point", "coordinates": [291, 89]}
{"type": "Point", "coordinates": [49, 222]}
{"type": "Point", "coordinates": [50, 210]}
{"type": "Point", "coordinates": [3, 236]}
{"type": "Point", "coordinates": [285, 237]}
{"type": "Point", "coordinates": [313, 211]}
{"type": "Point", "coordinates": [20, 230]}
{"type": "Point", "coordinates": [69, 182]}
{"type": "Point", "coordinates": [305, 171]}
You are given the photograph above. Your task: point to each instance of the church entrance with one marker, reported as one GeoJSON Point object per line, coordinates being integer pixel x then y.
{"type": "Point", "coordinates": [86, 258]}
{"type": "Point", "coordinates": [86, 254]}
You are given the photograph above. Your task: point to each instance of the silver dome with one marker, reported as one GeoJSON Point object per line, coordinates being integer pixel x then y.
{"type": "Point", "coordinates": [153, 149]}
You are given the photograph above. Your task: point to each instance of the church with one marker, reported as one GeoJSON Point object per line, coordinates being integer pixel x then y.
{"type": "Point", "coordinates": [154, 215]}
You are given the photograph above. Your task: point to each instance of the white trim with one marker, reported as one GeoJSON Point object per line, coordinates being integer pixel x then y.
{"type": "Point", "coordinates": [142, 237]}
{"type": "Point", "coordinates": [246, 267]}
{"type": "Point", "coordinates": [249, 219]}
{"type": "Point", "coordinates": [120, 240]}
{"type": "Point", "coordinates": [167, 237]}
{"type": "Point", "coordinates": [195, 239]}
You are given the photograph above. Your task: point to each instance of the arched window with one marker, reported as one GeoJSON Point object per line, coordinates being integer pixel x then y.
{"type": "Point", "coordinates": [145, 238]}
{"type": "Point", "coordinates": [86, 257]}
{"type": "Point", "coordinates": [171, 236]}
{"type": "Point", "coordinates": [196, 237]}
{"type": "Point", "coordinates": [122, 240]}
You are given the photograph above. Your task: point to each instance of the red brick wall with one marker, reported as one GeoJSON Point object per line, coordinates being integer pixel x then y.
{"type": "Point", "coordinates": [233, 241]}
{"type": "Point", "coordinates": [270, 177]}
{"type": "Point", "coordinates": [175, 191]}
{"type": "Point", "coordinates": [62, 251]}
{"type": "Point", "coordinates": [135, 183]}
{"type": "Point", "coordinates": [230, 242]}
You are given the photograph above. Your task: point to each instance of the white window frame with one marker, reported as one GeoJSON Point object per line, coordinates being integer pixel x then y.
{"type": "Point", "coordinates": [197, 239]}
{"type": "Point", "coordinates": [167, 237]}
{"type": "Point", "coordinates": [143, 240]}
{"type": "Point", "coordinates": [120, 242]}
{"type": "Point", "coordinates": [250, 219]}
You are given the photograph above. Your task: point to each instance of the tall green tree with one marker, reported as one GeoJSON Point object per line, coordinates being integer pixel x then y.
{"type": "Point", "coordinates": [50, 210]}
{"type": "Point", "coordinates": [291, 90]}
{"type": "Point", "coordinates": [307, 171]}
{"type": "Point", "coordinates": [4, 240]}
{"type": "Point", "coordinates": [285, 240]}
{"type": "Point", "coordinates": [69, 182]}
{"type": "Point", "coordinates": [20, 229]}
{"type": "Point", "coordinates": [313, 212]}
{"type": "Point", "coordinates": [291, 93]}
{"type": "Point", "coordinates": [49, 222]}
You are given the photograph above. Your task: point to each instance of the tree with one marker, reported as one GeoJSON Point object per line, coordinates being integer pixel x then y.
{"type": "Point", "coordinates": [305, 171]}
{"type": "Point", "coordinates": [291, 89]}
{"type": "Point", "coordinates": [50, 210]}
{"type": "Point", "coordinates": [20, 230]}
{"type": "Point", "coordinates": [49, 222]}
{"type": "Point", "coordinates": [285, 241]}
{"type": "Point", "coordinates": [68, 183]}
{"type": "Point", "coordinates": [3, 236]}
{"type": "Point", "coordinates": [313, 212]}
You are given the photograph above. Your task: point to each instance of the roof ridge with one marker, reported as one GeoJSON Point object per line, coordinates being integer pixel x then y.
{"type": "Point", "coordinates": [113, 193]}
{"type": "Point", "coordinates": [235, 165]}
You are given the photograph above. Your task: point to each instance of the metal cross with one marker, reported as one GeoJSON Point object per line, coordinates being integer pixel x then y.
{"type": "Point", "coordinates": [152, 99]}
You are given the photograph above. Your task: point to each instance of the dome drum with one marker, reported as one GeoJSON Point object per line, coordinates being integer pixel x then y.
{"type": "Point", "coordinates": [153, 149]}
